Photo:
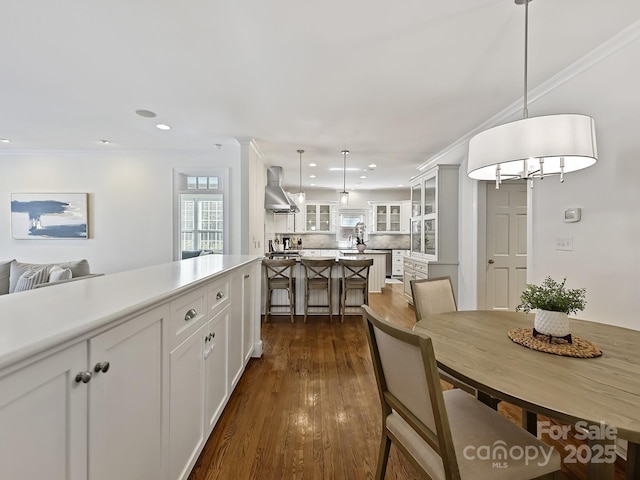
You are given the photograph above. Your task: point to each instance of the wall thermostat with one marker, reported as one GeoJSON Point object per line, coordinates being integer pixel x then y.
{"type": "Point", "coordinates": [572, 215]}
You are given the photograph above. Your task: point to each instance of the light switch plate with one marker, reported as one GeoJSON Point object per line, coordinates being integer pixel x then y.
{"type": "Point", "coordinates": [564, 243]}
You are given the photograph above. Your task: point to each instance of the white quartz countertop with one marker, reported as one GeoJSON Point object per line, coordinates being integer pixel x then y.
{"type": "Point", "coordinates": [34, 321]}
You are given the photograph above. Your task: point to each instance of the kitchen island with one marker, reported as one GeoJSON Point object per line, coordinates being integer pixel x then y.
{"type": "Point", "coordinates": [124, 375]}
{"type": "Point", "coordinates": [376, 281]}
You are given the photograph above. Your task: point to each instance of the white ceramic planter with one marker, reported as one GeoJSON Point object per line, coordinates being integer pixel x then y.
{"type": "Point", "coordinates": [361, 247]}
{"type": "Point", "coordinates": [552, 323]}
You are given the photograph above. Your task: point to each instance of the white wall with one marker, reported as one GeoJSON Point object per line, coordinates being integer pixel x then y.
{"type": "Point", "coordinates": [130, 203]}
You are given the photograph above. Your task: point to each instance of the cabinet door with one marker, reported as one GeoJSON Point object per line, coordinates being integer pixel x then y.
{"type": "Point", "coordinates": [236, 325]}
{"type": "Point", "coordinates": [215, 368]}
{"type": "Point", "coordinates": [125, 400]}
{"type": "Point", "coordinates": [395, 217]}
{"type": "Point", "coordinates": [311, 214]}
{"type": "Point", "coordinates": [43, 413]}
{"type": "Point", "coordinates": [249, 287]}
{"type": "Point", "coordinates": [324, 218]}
{"type": "Point", "coordinates": [382, 218]}
{"type": "Point", "coordinates": [186, 406]}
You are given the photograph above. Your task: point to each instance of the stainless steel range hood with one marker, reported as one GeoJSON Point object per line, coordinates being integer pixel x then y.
{"type": "Point", "coordinates": [276, 199]}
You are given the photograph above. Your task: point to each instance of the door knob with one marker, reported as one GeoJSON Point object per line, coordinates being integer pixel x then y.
{"type": "Point", "coordinates": [491, 261]}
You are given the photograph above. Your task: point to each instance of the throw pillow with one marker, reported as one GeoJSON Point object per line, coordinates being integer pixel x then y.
{"type": "Point", "coordinates": [58, 273]}
{"type": "Point", "coordinates": [5, 269]}
{"type": "Point", "coordinates": [31, 278]}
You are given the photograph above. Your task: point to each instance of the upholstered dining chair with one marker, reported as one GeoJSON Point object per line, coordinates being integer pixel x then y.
{"type": "Point", "coordinates": [279, 276]}
{"type": "Point", "coordinates": [445, 434]}
{"type": "Point", "coordinates": [318, 275]}
{"type": "Point", "coordinates": [430, 297]}
{"type": "Point", "coordinates": [355, 276]}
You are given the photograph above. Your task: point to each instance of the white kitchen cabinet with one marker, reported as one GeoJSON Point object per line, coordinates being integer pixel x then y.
{"type": "Point", "coordinates": [216, 362]}
{"type": "Point", "coordinates": [386, 217]}
{"type": "Point", "coordinates": [109, 393]}
{"type": "Point", "coordinates": [43, 413]}
{"type": "Point", "coordinates": [73, 405]}
{"type": "Point", "coordinates": [397, 262]}
{"type": "Point", "coordinates": [419, 268]}
{"type": "Point", "coordinates": [434, 220]}
{"type": "Point", "coordinates": [320, 217]}
{"type": "Point", "coordinates": [125, 400]}
{"type": "Point", "coordinates": [186, 408]}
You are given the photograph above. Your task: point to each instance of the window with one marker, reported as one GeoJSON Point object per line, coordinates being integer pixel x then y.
{"type": "Point", "coordinates": [202, 222]}
{"type": "Point", "coordinates": [202, 215]}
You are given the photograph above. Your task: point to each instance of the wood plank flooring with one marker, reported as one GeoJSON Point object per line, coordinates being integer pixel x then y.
{"type": "Point", "coordinates": [309, 408]}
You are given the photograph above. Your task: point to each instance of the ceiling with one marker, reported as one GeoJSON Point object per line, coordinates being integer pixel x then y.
{"type": "Point", "coordinates": [393, 82]}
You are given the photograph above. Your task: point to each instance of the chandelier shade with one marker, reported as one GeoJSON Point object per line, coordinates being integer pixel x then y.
{"type": "Point", "coordinates": [344, 195]}
{"type": "Point", "coordinates": [533, 147]}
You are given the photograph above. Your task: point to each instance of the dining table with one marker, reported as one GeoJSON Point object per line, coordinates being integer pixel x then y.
{"type": "Point", "coordinates": [600, 395]}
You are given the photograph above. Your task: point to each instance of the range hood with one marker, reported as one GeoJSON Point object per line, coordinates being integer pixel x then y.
{"type": "Point", "coordinates": [276, 199]}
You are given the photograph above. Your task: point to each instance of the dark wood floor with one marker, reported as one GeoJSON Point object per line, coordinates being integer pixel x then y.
{"type": "Point", "coordinates": [309, 407]}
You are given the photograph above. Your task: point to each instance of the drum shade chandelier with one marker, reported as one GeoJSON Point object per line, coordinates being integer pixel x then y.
{"type": "Point", "coordinates": [533, 147]}
{"type": "Point", "coordinates": [300, 196]}
{"type": "Point", "coordinates": [344, 195]}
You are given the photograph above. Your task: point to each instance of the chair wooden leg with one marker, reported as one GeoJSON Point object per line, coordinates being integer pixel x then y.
{"type": "Point", "coordinates": [383, 456]}
{"type": "Point", "coordinates": [291, 305]}
{"type": "Point", "coordinates": [306, 303]}
{"type": "Point", "coordinates": [329, 302]}
{"type": "Point", "coordinates": [268, 305]}
{"type": "Point", "coordinates": [344, 304]}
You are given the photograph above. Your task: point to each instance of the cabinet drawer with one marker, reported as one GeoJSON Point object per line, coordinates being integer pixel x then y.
{"type": "Point", "coordinates": [420, 267]}
{"type": "Point", "coordinates": [397, 270]}
{"type": "Point", "coordinates": [408, 263]}
{"type": "Point", "coordinates": [399, 253]}
{"type": "Point", "coordinates": [218, 295]}
{"type": "Point", "coordinates": [187, 314]}
{"type": "Point", "coordinates": [397, 260]}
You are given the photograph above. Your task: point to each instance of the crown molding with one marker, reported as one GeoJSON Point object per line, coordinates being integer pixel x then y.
{"type": "Point", "coordinates": [595, 56]}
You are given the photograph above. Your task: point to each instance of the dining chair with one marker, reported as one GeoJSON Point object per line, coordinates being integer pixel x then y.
{"type": "Point", "coordinates": [430, 297]}
{"type": "Point", "coordinates": [279, 276]}
{"type": "Point", "coordinates": [449, 434]}
{"type": "Point", "coordinates": [355, 276]}
{"type": "Point", "coordinates": [318, 277]}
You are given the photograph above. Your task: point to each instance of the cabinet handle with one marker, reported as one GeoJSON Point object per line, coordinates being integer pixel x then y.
{"type": "Point", "coordinates": [83, 377]}
{"type": "Point", "coordinates": [219, 295]}
{"type": "Point", "coordinates": [209, 337]}
{"type": "Point", "coordinates": [491, 261]}
{"type": "Point", "coordinates": [246, 275]}
{"type": "Point", "coordinates": [101, 367]}
{"type": "Point", "coordinates": [191, 314]}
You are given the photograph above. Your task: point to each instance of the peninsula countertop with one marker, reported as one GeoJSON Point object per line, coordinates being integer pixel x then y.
{"type": "Point", "coordinates": [34, 321]}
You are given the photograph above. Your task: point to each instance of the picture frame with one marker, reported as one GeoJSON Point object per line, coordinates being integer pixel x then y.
{"type": "Point", "coordinates": [47, 216]}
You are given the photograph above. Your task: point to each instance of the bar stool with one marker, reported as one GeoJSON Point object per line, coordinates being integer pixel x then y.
{"type": "Point", "coordinates": [279, 276]}
{"type": "Point", "coordinates": [318, 273]}
{"type": "Point", "coordinates": [355, 276]}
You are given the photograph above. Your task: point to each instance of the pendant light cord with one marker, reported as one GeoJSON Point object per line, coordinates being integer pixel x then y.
{"type": "Point", "coordinates": [526, 56]}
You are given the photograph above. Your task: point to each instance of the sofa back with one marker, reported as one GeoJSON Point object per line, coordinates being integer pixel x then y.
{"type": "Point", "coordinates": [11, 271]}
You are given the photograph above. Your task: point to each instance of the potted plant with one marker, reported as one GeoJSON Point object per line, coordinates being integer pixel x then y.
{"type": "Point", "coordinates": [553, 303]}
{"type": "Point", "coordinates": [360, 245]}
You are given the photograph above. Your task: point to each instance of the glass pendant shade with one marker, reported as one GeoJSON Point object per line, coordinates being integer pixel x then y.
{"type": "Point", "coordinates": [533, 147]}
{"type": "Point", "coordinates": [344, 199]}
{"type": "Point", "coordinates": [300, 197]}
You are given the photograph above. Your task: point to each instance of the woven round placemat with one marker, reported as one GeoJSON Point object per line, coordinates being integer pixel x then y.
{"type": "Point", "coordinates": [580, 347]}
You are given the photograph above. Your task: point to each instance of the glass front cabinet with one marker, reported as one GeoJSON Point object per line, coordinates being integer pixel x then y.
{"type": "Point", "coordinates": [434, 224]}
{"type": "Point", "coordinates": [389, 217]}
{"type": "Point", "coordinates": [320, 217]}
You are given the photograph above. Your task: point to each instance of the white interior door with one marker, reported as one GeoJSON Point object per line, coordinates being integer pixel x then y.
{"type": "Point", "coordinates": [506, 268]}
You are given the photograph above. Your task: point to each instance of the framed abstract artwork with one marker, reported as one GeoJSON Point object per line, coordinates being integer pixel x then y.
{"type": "Point", "coordinates": [49, 216]}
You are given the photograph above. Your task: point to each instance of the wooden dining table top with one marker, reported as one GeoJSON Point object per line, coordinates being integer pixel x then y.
{"type": "Point", "coordinates": [474, 346]}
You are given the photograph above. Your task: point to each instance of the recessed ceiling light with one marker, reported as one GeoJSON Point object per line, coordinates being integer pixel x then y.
{"type": "Point", "coordinates": [145, 113]}
{"type": "Point", "coordinates": [312, 184]}
{"type": "Point", "coordinates": [162, 126]}
{"type": "Point", "coordinates": [363, 176]}
{"type": "Point", "coordinates": [104, 142]}
{"type": "Point", "coordinates": [5, 140]}
{"type": "Point", "coordinates": [313, 165]}
{"type": "Point", "coordinates": [340, 169]}
{"type": "Point", "coordinates": [312, 176]}
{"type": "Point", "coordinates": [373, 165]}
{"type": "Point", "coordinates": [400, 185]}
